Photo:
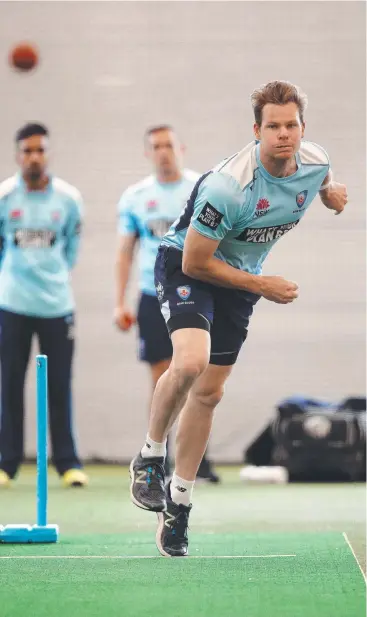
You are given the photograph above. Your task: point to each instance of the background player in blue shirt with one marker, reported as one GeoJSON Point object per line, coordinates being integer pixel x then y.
{"type": "Point", "coordinates": [40, 218]}
{"type": "Point", "coordinates": [146, 211]}
{"type": "Point", "coordinates": [208, 278]}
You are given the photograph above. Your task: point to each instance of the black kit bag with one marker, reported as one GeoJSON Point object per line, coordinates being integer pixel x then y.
{"type": "Point", "coordinates": [320, 442]}
{"type": "Point", "coordinates": [317, 450]}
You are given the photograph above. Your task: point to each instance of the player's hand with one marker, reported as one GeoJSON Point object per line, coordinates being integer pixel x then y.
{"type": "Point", "coordinates": [124, 318]}
{"type": "Point", "coordinates": [335, 197]}
{"type": "Point", "coordinates": [279, 290]}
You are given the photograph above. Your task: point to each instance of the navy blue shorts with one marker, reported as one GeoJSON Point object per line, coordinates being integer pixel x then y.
{"type": "Point", "coordinates": [154, 341]}
{"type": "Point", "coordinates": [189, 303]}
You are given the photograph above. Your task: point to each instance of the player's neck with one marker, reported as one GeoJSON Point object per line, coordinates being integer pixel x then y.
{"type": "Point", "coordinates": [279, 168]}
{"type": "Point", "coordinates": [36, 185]}
{"type": "Point", "coordinates": [169, 177]}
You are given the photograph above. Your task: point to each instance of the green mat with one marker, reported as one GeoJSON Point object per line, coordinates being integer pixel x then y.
{"type": "Point", "coordinates": [301, 567]}
{"type": "Point", "coordinates": [257, 575]}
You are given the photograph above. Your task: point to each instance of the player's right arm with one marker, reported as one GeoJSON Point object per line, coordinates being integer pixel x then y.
{"type": "Point", "coordinates": [333, 194]}
{"type": "Point", "coordinates": [217, 208]}
{"type": "Point", "coordinates": [128, 237]}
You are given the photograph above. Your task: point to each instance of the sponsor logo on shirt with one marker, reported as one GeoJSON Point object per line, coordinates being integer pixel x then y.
{"type": "Point", "coordinates": [262, 207]}
{"type": "Point", "coordinates": [210, 217]}
{"type": "Point", "coordinates": [152, 204]}
{"type": "Point", "coordinates": [262, 235]}
{"type": "Point", "coordinates": [34, 238]}
{"type": "Point", "coordinates": [159, 227]}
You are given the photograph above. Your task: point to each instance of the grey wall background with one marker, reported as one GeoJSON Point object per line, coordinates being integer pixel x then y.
{"type": "Point", "coordinates": [111, 68]}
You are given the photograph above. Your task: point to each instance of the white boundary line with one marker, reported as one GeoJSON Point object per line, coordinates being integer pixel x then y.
{"type": "Point", "coordinates": [141, 556]}
{"type": "Point", "coordinates": [354, 555]}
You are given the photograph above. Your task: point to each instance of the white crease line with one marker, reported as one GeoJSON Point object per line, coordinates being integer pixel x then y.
{"type": "Point", "coordinates": [141, 556]}
{"type": "Point", "coordinates": [354, 555]}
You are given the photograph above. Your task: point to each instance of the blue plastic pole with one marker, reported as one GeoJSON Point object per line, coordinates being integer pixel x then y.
{"type": "Point", "coordinates": [42, 408]}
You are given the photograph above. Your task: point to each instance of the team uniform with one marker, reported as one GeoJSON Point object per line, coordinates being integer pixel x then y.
{"type": "Point", "coordinates": [240, 204]}
{"type": "Point", "coordinates": [247, 210]}
{"type": "Point", "coordinates": [147, 210]}
{"type": "Point", "coordinates": [39, 241]}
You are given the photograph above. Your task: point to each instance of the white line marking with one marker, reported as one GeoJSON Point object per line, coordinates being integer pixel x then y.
{"type": "Point", "coordinates": [141, 556]}
{"type": "Point", "coordinates": [354, 555]}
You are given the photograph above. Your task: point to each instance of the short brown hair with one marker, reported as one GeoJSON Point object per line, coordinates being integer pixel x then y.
{"type": "Point", "coordinates": [156, 129]}
{"type": "Point", "coordinates": [277, 93]}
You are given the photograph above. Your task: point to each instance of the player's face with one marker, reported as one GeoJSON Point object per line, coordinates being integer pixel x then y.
{"type": "Point", "coordinates": [32, 157]}
{"type": "Point", "coordinates": [164, 151]}
{"type": "Point", "coordinates": [281, 131]}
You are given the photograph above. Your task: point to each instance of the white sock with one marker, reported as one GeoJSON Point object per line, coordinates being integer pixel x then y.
{"type": "Point", "coordinates": [181, 490]}
{"type": "Point", "coordinates": [153, 448]}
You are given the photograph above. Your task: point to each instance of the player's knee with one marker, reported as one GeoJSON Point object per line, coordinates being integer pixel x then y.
{"type": "Point", "coordinates": [210, 396]}
{"type": "Point", "coordinates": [188, 368]}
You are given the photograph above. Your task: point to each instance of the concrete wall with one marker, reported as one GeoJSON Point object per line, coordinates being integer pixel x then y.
{"type": "Point", "coordinates": [111, 68]}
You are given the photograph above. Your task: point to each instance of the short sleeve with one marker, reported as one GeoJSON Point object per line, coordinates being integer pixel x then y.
{"type": "Point", "coordinates": [217, 206]}
{"type": "Point", "coordinates": [127, 224]}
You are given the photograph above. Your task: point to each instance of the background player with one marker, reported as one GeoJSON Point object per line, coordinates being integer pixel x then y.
{"type": "Point", "coordinates": [208, 277]}
{"type": "Point", "coordinates": [146, 212]}
{"type": "Point", "coordinates": [40, 218]}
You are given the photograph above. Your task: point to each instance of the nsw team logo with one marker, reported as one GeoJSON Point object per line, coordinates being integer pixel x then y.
{"type": "Point", "coordinates": [301, 198]}
{"type": "Point", "coordinates": [15, 215]}
{"type": "Point", "coordinates": [184, 292]}
{"type": "Point", "coordinates": [262, 207]}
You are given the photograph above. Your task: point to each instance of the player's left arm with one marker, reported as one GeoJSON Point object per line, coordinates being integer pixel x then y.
{"type": "Point", "coordinates": [333, 194]}
{"type": "Point", "coordinates": [72, 231]}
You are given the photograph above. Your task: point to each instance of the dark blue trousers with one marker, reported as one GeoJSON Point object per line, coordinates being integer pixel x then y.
{"type": "Point", "coordinates": [56, 340]}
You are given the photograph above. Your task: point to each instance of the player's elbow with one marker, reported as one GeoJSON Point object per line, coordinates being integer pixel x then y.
{"type": "Point", "coordinates": [191, 267]}
{"type": "Point", "coordinates": [188, 266]}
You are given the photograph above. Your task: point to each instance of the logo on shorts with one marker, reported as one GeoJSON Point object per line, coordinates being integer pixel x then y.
{"type": "Point", "coordinates": [141, 355]}
{"type": "Point", "coordinates": [160, 291]}
{"type": "Point", "coordinates": [184, 292]}
{"type": "Point", "coordinates": [301, 198]}
{"type": "Point", "coordinates": [70, 332]}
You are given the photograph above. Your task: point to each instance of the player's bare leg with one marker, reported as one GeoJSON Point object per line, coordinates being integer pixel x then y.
{"type": "Point", "coordinates": [192, 437]}
{"type": "Point", "coordinates": [157, 370]}
{"type": "Point", "coordinates": [205, 471]}
{"type": "Point", "coordinates": [196, 420]}
{"type": "Point", "coordinates": [190, 358]}
{"type": "Point", "coordinates": [191, 351]}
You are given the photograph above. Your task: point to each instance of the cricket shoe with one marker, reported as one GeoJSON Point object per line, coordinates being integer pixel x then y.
{"type": "Point", "coordinates": [206, 473]}
{"type": "Point", "coordinates": [74, 478]}
{"type": "Point", "coordinates": [5, 479]}
{"type": "Point", "coordinates": [147, 483]}
{"type": "Point", "coordinates": [171, 537]}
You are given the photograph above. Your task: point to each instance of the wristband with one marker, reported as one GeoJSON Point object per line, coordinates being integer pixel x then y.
{"type": "Point", "coordinates": [326, 186]}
